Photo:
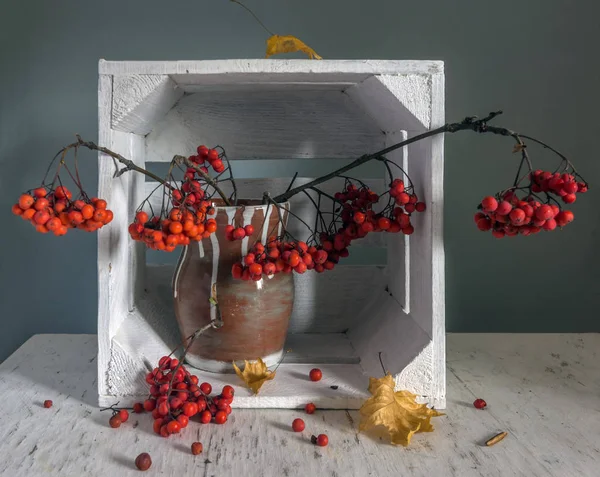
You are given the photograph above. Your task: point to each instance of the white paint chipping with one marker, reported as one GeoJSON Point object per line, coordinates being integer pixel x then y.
{"type": "Point", "coordinates": [215, 269]}
{"type": "Point", "coordinates": [247, 215]}
{"type": "Point", "coordinates": [265, 229]}
{"type": "Point", "coordinates": [178, 270]}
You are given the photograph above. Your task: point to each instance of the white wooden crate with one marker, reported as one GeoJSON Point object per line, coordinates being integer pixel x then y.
{"type": "Point", "coordinates": [281, 110]}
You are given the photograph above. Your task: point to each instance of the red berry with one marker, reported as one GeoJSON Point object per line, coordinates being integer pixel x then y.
{"type": "Point", "coordinates": [517, 216]}
{"type": "Point", "coordinates": [315, 374]}
{"type": "Point", "coordinates": [503, 208]}
{"type": "Point", "coordinates": [163, 408]}
{"type": "Point", "coordinates": [157, 424]}
{"type": "Point", "coordinates": [220, 417]}
{"type": "Point", "coordinates": [322, 440]}
{"type": "Point", "coordinates": [205, 417]}
{"type": "Point", "coordinates": [564, 217]}
{"type": "Point", "coordinates": [310, 408]}
{"type": "Point", "coordinates": [549, 225]}
{"type": "Point", "coordinates": [249, 229]}
{"type": "Point", "coordinates": [420, 206]}
{"type": "Point", "coordinates": [115, 421]}
{"type": "Point", "coordinates": [124, 415]}
{"type": "Point", "coordinates": [383, 223]}
{"type": "Point", "coordinates": [569, 198]}
{"type": "Point", "coordinates": [190, 409]}
{"type": "Point", "coordinates": [143, 461]}
{"type": "Point", "coordinates": [359, 217]}
{"type": "Point", "coordinates": [479, 403]}
{"type": "Point", "coordinates": [173, 427]}
{"type": "Point", "coordinates": [196, 448]}
{"type": "Point", "coordinates": [489, 204]}
{"type": "Point", "coordinates": [47, 403]}
{"type": "Point", "coordinates": [227, 392]}
{"type": "Point", "coordinates": [298, 425]}
{"type": "Point", "coordinates": [183, 420]}
{"type": "Point", "coordinates": [239, 233]}
{"type": "Point", "coordinates": [545, 212]}
{"type": "Point", "coordinates": [206, 388]}
{"type": "Point", "coordinates": [138, 408]}
{"type": "Point", "coordinates": [484, 224]}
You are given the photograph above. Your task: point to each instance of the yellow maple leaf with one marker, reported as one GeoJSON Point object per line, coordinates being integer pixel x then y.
{"type": "Point", "coordinates": [278, 44]}
{"type": "Point", "coordinates": [397, 411]}
{"type": "Point", "coordinates": [255, 374]}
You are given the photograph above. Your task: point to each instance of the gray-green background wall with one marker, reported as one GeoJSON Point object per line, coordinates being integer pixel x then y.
{"type": "Point", "coordinates": [535, 59]}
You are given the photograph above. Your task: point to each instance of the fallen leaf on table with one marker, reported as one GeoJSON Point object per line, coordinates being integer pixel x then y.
{"type": "Point", "coordinates": [278, 44]}
{"type": "Point", "coordinates": [255, 374]}
{"type": "Point", "coordinates": [397, 411]}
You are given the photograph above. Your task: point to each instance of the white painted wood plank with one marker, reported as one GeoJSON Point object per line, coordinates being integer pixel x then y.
{"type": "Point", "coordinates": [140, 101]}
{"type": "Point", "coordinates": [541, 388]}
{"type": "Point", "coordinates": [395, 102]}
{"type": "Point", "coordinates": [265, 125]}
{"type": "Point", "coordinates": [252, 87]}
{"type": "Point", "coordinates": [104, 234]}
{"type": "Point", "coordinates": [282, 69]}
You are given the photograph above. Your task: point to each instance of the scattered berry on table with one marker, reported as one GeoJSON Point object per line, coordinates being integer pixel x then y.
{"type": "Point", "coordinates": [479, 403]}
{"type": "Point", "coordinates": [143, 461]}
{"type": "Point", "coordinates": [315, 374]}
{"type": "Point", "coordinates": [298, 425]}
{"type": "Point", "coordinates": [196, 448]}
{"type": "Point", "coordinates": [310, 408]}
{"type": "Point", "coordinates": [47, 403]}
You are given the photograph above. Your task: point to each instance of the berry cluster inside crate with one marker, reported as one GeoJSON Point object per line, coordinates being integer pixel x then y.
{"type": "Point", "coordinates": [274, 117]}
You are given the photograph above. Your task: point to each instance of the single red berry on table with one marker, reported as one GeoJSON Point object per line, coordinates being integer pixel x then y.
{"type": "Point", "coordinates": [124, 415]}
{"type": "Point", "coordinates": [310, 408]}
{"type": "Point", "coordinates": [479, 403]}
{"type": "Point", "coordinates": [115, 421]}
{"type": "Point", "coordinates": [322, 440]}
{"type": "Point", "coordinates": [196, 448]}
{"type": "Point", "coordinates": [220, 417]}
{"type": "Point", "coordinates": [47, 403]}
{"type": "Point", "coordinates": [298, 425]}
{"type": "Point", "coordinates": [138, 408]}
{"type": "Point", "coordinates": [143, 461]}
{"type": "Point", "coordinates": [315, 374]}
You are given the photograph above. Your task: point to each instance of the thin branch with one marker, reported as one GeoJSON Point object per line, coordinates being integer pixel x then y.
{"type": "Point", "coordinates": [254, 15]}
{"type": "Point", "coordinates": [209, 180]}
{"type": "Point", "coordinates": [468, 124]}
{"type": "Point", "coordinates": [129, 164]}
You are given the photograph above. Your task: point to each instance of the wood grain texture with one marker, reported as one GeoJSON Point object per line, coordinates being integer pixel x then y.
{"type": "Point", "coordinates": [541, 388]}
{"type": "Point", "coordinates": [140, 101]}
{"type": "Point", "coordinates": [266, 125]}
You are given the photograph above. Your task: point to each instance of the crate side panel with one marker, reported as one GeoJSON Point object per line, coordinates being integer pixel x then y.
{"type": "Point", "coordinates": [294, 124]}
{"type": "Point", "coordinates": [382, 327]}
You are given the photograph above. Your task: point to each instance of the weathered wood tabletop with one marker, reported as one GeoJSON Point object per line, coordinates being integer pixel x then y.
{"type": "Point", "coordinates": [543, 389]}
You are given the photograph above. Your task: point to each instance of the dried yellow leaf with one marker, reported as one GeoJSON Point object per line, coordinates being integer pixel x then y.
{"type": "Point", "coordinates": [255, 374]}
{"type": "Point", "coordinates": [278, 44]}
{"type": "Point", "coordinates": [397, 411]}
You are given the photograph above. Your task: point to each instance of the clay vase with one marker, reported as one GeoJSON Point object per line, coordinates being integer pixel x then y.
{"type": "Point", "coordinates": [255, 313]}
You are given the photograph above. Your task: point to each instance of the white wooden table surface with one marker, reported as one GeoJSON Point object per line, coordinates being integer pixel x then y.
{"type": "Point", "coordinates": [543, 389]}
